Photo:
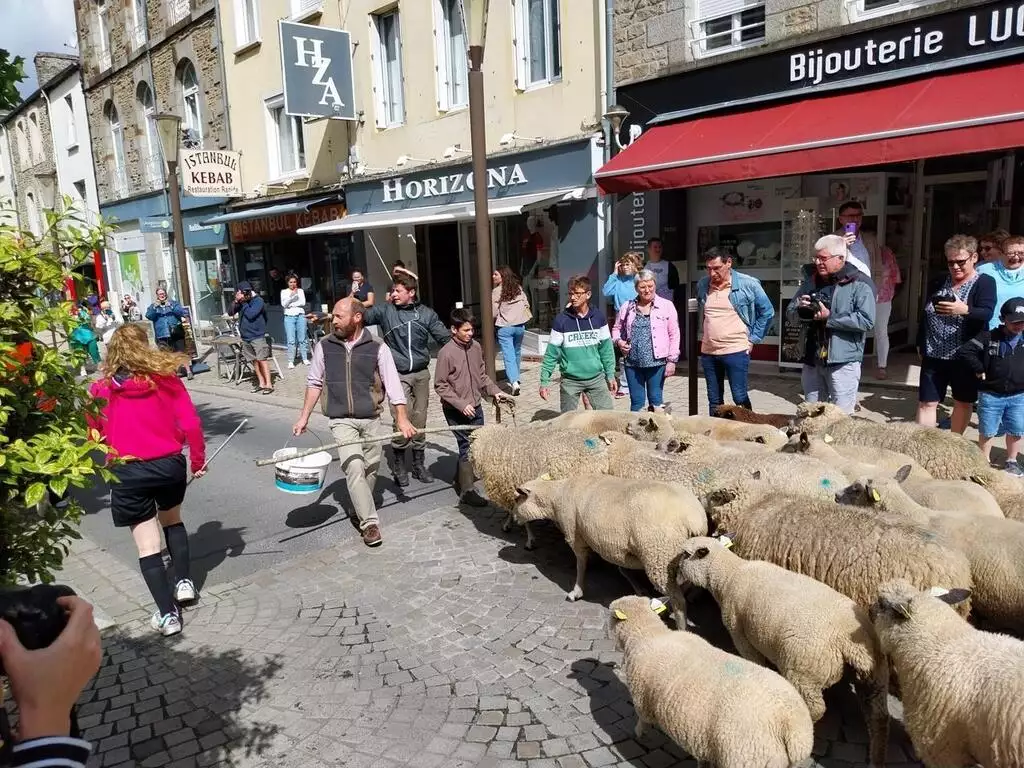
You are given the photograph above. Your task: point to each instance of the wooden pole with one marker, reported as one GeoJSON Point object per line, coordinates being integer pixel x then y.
{"type": "Point", "coordinates": [378, 439]}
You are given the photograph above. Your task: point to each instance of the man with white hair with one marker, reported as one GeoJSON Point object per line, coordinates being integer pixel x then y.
{"type": "Point", "coordinates": [835, 305]}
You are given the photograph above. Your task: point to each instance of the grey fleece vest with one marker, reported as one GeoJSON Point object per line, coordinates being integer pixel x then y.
{"type": "Point", "coordinates": [352, 385]}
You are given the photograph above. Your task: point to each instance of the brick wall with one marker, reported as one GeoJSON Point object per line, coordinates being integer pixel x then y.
{"type": "Point", "coordinates": [26, 166]}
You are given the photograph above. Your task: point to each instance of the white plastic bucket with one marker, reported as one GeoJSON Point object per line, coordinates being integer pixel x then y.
{"type": "Point", "coordinates": [304, 475]}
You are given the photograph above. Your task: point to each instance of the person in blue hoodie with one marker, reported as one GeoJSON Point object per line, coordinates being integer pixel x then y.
{"type": "Point", "coordinates": [580, 346]}
{"type": "Point", "coordinates": [252, 327]}
{"type": "Point", "coordinates": [620, 287]}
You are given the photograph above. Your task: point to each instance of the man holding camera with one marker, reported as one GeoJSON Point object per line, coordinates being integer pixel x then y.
{"type": "Point", "coordinates": [835, 305]}
{"type": "Point", "coordinates": [252, 327]}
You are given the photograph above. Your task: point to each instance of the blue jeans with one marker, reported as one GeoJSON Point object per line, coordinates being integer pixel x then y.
{"type": "Point", "coordinates": [645, 384]}
{"type": "Point", "coordinates": [510, 340]}
{"type": "Point", "coordinates": [1000, 414]}
{"type": "Point", "coordinates": [295, 335]}
{"type": "Point", "coordinates": [717, 368]}
{"type": "Point", "coordinates": [455, 417]}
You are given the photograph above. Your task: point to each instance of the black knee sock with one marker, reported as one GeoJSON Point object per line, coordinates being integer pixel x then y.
{"type": "Point", "coordinates": [152, 567]}
{"type": "Point", "coordinates": [177, 545]}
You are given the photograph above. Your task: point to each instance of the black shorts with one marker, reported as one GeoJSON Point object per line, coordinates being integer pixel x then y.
{"type": "Point", "coordinates": [939, 375]}
{"type": "Point", "coordinates": [171, 345]}
{"type": "Point", "coordinates": [145, 487]}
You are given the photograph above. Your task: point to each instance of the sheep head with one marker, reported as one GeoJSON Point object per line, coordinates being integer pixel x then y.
{"type": "Point", "coordinates": [900, 605]}
{"type": "Point", "coordinates": [534, 500]}
{"type": "Point", "coordinates": [799, 442]}
{"type": "Point", "coordinates": [818, 417]}
{"type": "Point", "coordinates": [650, 427]}
{"type": "Point", "coordinates": [698, 555]}
{"type": "Point", "coordinates": [630, 613]}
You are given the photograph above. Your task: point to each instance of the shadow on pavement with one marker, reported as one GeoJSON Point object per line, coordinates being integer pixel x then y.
{"type": "Point", "coordinates": [220, 421]}
{"type": "Point", "coordinates": [156, 701]}
{"type": "Point", "coordinates": [210, 545]}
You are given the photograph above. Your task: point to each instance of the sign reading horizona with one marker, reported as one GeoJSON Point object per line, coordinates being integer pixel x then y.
{"type": "Point", "coordinates": [210, 173]}
{"type": "Point", "coordinates": [396, 189]}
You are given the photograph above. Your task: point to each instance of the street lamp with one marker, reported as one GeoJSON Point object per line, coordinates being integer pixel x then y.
{"type": "Point", "coordinates": [474, 22]}
{"type": "Point", "coordinates": [168, 127]}
{"type": "Point", "coordinates": [615, 116]}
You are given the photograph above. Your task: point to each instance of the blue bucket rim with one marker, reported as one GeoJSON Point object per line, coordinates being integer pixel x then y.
{"type": "Point", "coordinates": [295, 488]}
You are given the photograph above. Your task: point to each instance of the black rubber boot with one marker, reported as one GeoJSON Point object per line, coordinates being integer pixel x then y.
{"type": "Point", "coordinates": [399, 464]}
{"type": "Point", "coordinates": [467, 493]}
{"type": "Point", "coordinates": [419, 467]}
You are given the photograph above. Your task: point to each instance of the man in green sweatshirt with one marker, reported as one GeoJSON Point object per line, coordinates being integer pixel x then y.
{"type": "Point", "coordinates": [580, 346]}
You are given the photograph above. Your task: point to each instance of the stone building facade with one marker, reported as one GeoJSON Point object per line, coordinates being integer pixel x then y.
{"type": "Point", "coordinates": [30, 156]}
{"type": "Point", "coordinates": [135, 67]}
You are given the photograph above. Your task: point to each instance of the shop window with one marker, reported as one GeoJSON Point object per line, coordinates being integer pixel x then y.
{"type": "Point", "coordinates": [866, 8]}
{"type": "Point", "coordinates": [285, 141]}
{"type": "Point", "coordinates": [726, 25]}
{"type": "Point", "coordinates": [386, 35]}
{"type": "Point", "coordinates": [152, 161]}
{"type": "Point", "coordinates": [190, 95]}
{"type": "Point", "coordinates": [119, 179]}
{"type": "Point", "coordinates": [538, 43]}
{"type": "Point", "coordinates": [247, 22]}
{"type": "Point", "coordinates": [451, 51]}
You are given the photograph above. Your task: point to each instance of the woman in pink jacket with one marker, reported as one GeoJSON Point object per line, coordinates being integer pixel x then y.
{"type": "Point", "coordinates": [146, 418]}
{"type": "Point", "coordinates": [646, 332]}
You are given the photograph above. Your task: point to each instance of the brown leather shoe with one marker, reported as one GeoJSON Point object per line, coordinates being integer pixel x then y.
{"type": "Point", "coordinates": [371, 536]}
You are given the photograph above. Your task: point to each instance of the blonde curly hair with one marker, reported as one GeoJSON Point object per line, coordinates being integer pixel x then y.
{"type": "Point", "coordinates": [129, 350]}
{"type": "Point", "coordinates": [634, 259]}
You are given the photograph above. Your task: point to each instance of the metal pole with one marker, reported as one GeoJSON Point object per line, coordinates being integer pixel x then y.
{"type": "Point", "coordinates": [691, 353]}
{"type": "Point", "coordinates": [478, 144]}
{"type": "Point", "coordinates": [179, 234]}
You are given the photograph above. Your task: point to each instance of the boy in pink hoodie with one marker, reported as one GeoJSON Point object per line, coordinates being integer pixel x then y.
{"type": "Point", "coordinates": [146, 419]}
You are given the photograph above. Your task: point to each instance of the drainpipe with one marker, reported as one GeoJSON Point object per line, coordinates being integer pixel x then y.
{"type": "Point", "coordinates": [609, 143]}
{"type": "Point", "coordinates": [223, 75]}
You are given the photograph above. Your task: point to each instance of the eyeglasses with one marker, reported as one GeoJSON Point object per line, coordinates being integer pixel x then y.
{"type": "Point", "coordinates": [1015, 253]}
{"type": "Point", "coordinates": [957, 263]}
{"type": "Point", "coordinates": [578, 294]}
{"type": "Point", "coordinates": [818, 257]}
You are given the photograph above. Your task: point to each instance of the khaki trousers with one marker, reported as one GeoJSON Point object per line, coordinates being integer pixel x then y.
{"type": "Point", "coordinates": [360, 464]}
{"type": "Point", "coordinates": [416, 387]}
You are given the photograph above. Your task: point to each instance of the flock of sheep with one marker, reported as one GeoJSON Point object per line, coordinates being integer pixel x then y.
{"type": "Point", "coordinates": [838, 549]}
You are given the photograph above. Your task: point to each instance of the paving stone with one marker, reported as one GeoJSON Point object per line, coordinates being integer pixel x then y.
{"type": "Point", "coordinates": [481, 733]}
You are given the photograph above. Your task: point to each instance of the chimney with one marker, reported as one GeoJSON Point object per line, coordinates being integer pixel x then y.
{"type": "Point", "coordinates": [48, 65]}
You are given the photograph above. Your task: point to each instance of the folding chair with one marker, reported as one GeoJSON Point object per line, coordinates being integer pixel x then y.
{"type": "Point", "coordinates": [270, 345]}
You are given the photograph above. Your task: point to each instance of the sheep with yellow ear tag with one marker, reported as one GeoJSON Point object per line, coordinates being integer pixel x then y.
{"type": "Point", "coordinates": [722, 709]}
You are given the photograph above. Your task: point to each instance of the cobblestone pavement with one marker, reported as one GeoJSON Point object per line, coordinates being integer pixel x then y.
{"type": "Point", "coordinates": [450, 645]}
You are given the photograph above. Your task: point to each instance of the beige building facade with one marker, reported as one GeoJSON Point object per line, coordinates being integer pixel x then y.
{"type": "Point", "coordinates": [400, 170]}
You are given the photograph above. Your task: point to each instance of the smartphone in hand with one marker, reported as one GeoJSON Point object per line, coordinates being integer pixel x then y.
{"type": "Point", "coordinates": [850, 229]}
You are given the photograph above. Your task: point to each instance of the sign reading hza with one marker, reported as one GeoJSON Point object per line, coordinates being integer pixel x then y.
{"type": "Point", "coordinates": [316, 65]}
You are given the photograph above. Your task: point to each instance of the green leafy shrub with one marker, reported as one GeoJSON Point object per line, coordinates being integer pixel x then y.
{"type": "Point", "coordinates": [45, 443]}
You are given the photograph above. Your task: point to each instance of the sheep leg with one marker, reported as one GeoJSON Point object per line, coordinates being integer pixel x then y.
{"type": "Point", "coordinates": [582, 552]}
{"type": "Point", "coordinates": [531, 542]}
{"type": "Point", "coordinates": [507, 525]}
{"type": "Point", "coordinates": [811, 694]}
{"type": "Point", "coordinates": [641, 725]}
{"type": "Point", "coordinates": [745, 649]}
{"type": "Point", "coordinates": [638, 588]}
{"type": "Point", "coordinates": [875, 707]}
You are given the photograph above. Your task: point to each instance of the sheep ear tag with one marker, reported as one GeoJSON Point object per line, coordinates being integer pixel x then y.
{"type": "Point", "coordinates": [546, 476]}
{"type": "Point", "coordinates": [875, 495]}
{"type": "Point", "coordinates": [657, 606]}
{"type": "Point", "coordinates": [827, 438]}
{"type": "Point", "coordinates": [903, 610]}
{"type": "Point", "coordinates": [619, 615]}
{"type": "Point", "coordinates": [725, 541]}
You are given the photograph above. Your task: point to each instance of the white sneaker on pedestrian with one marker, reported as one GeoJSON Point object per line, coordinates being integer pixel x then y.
{"type": "Point", "coordinates": [167, 624]}
{"type": "Point", "coordinates": [291, 364]}
{"type": "Point", "coordinates": [515, 388]}
{"type": "Point", "coordinates": [306, 361]}
{"type": "Point", "coordinates": [185, 592]}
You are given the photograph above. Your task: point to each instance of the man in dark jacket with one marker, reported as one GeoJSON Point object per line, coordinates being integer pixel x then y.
{"type": "Point", "coordinates": [252, 327]}
{"type": "Point", "coordinates": [835, 304]}
{"type": "Point", "coordinates": [406, 327]}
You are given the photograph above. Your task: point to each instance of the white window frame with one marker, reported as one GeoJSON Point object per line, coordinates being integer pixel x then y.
{"type": "Point", "coordinates": [247, 23]}
{"type": "Point", "coordinates": [714, 10]}
{"type": "Point", "coordinates": [191, 101]}
{"type": "Point", "coordinates": [274, 111]}
{"type": "Point", "coordinates": [521, 44]}
{"type": "Point", "coordinates": [35, 138]}
{"type": "Point", "coordinates": [387, 98]}
{"type": "Point", "coordinates": [116, 132]}
{"type": "Point", "coordinates": [103, 33]}
{"type": "Point", "coordinates": [857, 12]}
{"type": "Point", "coordinates": [451, 56]}
{"type": "Point", "coordinates": [304, 9]}
{"type": "Point", "coordinates": [24, 152]}
{"type": "Point", "coordinates": [138, 32]}
{"type": "Point", "coordinates": [69, 104]}
{"type": "Point", "coordinates": [32, 214]}
{"type": "Point", "coordinates": [154, 158]}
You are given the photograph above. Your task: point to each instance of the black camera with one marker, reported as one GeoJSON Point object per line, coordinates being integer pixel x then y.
{"type": "Point", "coordinates": [811, 309]}
{"type": "Point", "coordinates": [944, 295]}
{"type": "Point", "coordinates": [34, 613]}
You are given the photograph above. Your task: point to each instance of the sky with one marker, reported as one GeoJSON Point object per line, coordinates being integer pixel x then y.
{"type": "Point", "coordinates": [30, 26]}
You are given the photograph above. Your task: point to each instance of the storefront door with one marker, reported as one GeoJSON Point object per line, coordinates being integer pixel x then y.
{"type": "Point", "coordinates": [952, 207]}
{"type": "Point", "coordinates": [444, 283]}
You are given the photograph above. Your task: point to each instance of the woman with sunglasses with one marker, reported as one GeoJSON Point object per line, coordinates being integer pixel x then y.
{"type": "Point", "coordinates": [958, 307]}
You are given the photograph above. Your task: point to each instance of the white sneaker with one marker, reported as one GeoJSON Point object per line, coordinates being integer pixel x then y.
{"type": "Point", "coordinates": [305, 362]}
{"type": "Point", "coordinates": [185, 592]}
{"type": "Point", "coordinates": [515, 388]}
{"type": "Point", "coordinates": [291, 364]}
{"type": "Point", "coordinates": [167, 624]}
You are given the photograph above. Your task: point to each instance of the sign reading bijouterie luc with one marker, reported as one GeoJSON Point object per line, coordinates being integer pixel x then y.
{"type": "Point", "coordinates": [398, 189]}
{"type": "Point", "coordinates": [957, 38]}
{"type": "Point", "coordinates": [210, 173]}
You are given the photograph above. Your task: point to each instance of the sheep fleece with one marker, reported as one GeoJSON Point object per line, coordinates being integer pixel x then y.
{"type": "Point", "coordinates": [848, 548]}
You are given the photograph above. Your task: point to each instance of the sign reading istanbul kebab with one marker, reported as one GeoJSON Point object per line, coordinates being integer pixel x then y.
{"type": "Point", "coordinates": [210, 173]}
{"type": "Point", "coordinates": [958, 38]}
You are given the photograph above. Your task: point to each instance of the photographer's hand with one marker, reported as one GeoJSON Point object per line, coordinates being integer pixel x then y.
{"type": "Point", "coordinates": [46, 683]}
{"type": "Point", "coordinates": [822, 313]}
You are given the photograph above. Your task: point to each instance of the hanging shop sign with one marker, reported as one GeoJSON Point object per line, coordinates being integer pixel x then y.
{"type": "Point", "coordinates": [282, 225]}
{"type": "Point", "coordinates": [210, 173]}
{"type": "Point", "coordinates": [955, 39]}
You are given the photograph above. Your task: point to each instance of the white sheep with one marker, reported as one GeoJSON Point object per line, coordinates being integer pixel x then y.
{"type": "Point", "coordinates": [723, 710]}
{"type": "Point", "coordinates": [809, 632]}
{"type": "Point", "coordinates": [630, 523]}
{"type": "Point", "coordinates": [646, 426]}
{"type": "Point", "coordinates": [852, 460]}
{"type": "Point", "coordinates": [994, 547]}
{"type": "Point", "coordinates": [961, 687]}
{"type": "Point", "coordinates": [850, 549]}
{"type": "Point", "coordinates": [727, 429]}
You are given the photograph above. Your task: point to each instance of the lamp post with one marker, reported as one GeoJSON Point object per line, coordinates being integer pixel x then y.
{"type": "Point", "coordinates": [168, 126]}
{"type": "Point", "coordinates": [474, 19]}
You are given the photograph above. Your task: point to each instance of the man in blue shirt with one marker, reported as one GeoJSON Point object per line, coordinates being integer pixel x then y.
{"type": "Point", "coordinates": [252, 327]}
